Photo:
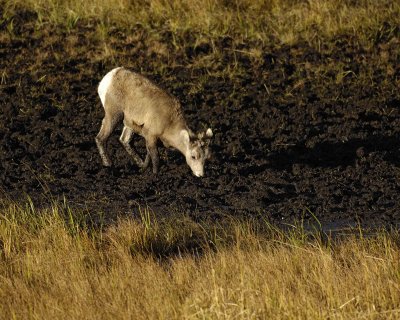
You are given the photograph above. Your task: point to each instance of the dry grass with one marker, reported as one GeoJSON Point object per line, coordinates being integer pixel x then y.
{"type": "Point", "coordinates": [287, 21]}
{"type": "Point", "coordinates": [54, 266]}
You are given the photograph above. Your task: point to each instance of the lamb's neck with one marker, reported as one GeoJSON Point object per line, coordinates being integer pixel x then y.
{"type": "Point", "coordinates": [174, 139]}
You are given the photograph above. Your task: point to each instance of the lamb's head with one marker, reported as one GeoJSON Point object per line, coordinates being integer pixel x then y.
{"type": "Point", "coordinates": [197, 150]}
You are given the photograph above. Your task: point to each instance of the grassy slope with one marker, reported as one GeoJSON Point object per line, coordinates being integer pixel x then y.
{"type": "Point", "coordinates": [263, 20]}
{"type": "Point", "coordinates": [52, 266]}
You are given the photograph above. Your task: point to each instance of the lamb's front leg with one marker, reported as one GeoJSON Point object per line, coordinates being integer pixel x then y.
{"type": "Point", "coordinates": [125, 138]}
{"type": "Point", "coordinates": [146, 161]}
{"type": "Point", "coordinates": [152, 153]}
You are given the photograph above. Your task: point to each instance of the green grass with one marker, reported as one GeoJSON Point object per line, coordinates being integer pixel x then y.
{"type": "Point", "coordinates": [54, 264]}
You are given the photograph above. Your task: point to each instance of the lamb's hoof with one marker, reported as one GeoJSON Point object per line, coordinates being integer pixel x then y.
{"type": "Point", "coordinates": [142, 169]}
{"type": "Point", "coordinates": [140, 164]}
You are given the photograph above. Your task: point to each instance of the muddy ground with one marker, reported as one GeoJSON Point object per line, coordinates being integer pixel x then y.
{"type": "Point", "coordinates": [300, 132]}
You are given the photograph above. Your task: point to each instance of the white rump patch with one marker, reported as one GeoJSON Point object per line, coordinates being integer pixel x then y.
{"type": "Point", "coordinates": [105, 84]}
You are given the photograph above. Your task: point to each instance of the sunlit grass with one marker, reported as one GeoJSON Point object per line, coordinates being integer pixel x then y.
{"type": "Point", "coordinates": [54, 263]}
{"type": "Point", "coordinates": [284, 21]}
{"type": "Point", "coordinates": [167, 33]}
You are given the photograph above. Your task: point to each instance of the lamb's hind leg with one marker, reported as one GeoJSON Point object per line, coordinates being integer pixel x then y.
{"type": "Point", "coordinates": [107, 126]}
{"type": "Point", "coordinates": [125, 138]}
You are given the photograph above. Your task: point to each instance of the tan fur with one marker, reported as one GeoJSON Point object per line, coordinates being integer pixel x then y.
{"type": "Point", "coordinates": [146, 110]}
{"type": "Point", "coordinates": [134, 95]}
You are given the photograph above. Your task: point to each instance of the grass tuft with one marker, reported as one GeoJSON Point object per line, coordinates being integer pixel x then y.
{"type": "Point", "coordinates": [53, 265]}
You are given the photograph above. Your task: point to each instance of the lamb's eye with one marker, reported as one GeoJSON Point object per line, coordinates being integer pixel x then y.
{"type": "Point", "coordinates": [193, 157]}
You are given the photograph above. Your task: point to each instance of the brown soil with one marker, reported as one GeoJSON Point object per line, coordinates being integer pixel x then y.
{"type": "Point", "coordinates": [294, 137]}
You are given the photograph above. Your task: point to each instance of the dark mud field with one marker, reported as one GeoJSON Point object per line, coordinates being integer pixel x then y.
{"type": "Point", "coordinates": [299, 132]}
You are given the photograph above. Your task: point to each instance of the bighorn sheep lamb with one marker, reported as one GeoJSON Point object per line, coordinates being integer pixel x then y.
{"type": "Point", "coordinates": [152, 113]}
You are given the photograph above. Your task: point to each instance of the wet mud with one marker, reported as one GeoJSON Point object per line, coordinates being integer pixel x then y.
{"type": "Point", "coordinates": [300, 133]}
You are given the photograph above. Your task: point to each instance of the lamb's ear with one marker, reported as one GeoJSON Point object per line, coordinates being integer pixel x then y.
{"type": "Point", "coordinates": [209, 133]}
{"type": "Point", "coordinates": [191, 134]}
{"type": "Point", "coordinates": [185, 136]}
